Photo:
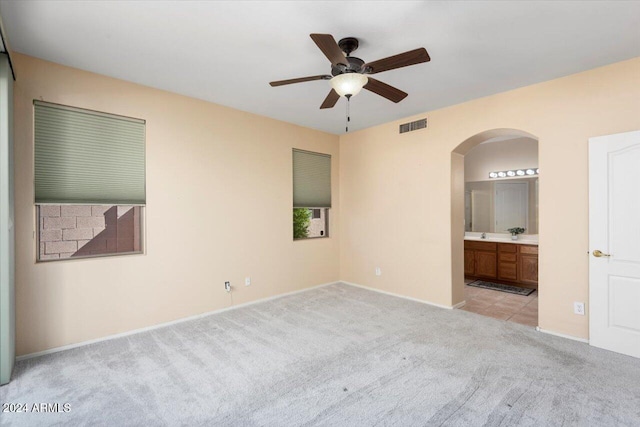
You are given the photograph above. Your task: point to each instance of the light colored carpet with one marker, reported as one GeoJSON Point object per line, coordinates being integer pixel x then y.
{"type": "Point", "coordinates": [333, 356]}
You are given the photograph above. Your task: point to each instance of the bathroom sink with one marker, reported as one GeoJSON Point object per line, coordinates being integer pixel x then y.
{"type": "Point", "coordinates": [523, 240]}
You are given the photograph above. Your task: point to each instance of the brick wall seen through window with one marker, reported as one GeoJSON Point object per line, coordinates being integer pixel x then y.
{"type": "Point", "coordinates": [76, 231]}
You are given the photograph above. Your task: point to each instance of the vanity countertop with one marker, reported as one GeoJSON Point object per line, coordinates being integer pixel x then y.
{"type": "Point", "coordinates": [501, 238]}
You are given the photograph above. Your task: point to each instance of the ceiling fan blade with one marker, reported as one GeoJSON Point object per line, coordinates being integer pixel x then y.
{"type": "Point", "coordinates": [300, 80]}
{"type": "Point", "coordinates": [412, 57]}
{"type": "Point", "coordinates": [330, 100]}
{"type": "Point", "coordinates": [386, 91]}
{"type": "Point", "coordinates": [330, 48]}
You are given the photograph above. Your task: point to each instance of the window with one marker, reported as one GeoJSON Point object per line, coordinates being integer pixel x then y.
{"type": "Point", "coordinates": [89, 182]}
{"type": "Point", "coordinates": [77, 231]}
{"type": "Point", "coordinates": [311, 194]}
{"type": "Point", "coordinates": [306, 226]}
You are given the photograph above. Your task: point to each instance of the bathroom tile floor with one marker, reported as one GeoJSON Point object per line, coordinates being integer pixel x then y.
{"type": "Point", "coordinates": [502, 305]}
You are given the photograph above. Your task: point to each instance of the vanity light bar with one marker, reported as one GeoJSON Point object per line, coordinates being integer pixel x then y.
{"type": "Point", "coordinates": [516, 172]}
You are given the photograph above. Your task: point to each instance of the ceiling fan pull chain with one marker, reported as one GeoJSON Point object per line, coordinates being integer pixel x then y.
{"type": "Point", "coordinates": [348, 111]}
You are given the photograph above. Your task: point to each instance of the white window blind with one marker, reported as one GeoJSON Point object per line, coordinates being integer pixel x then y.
{"type": "Point", "coordinates": [87, 157]}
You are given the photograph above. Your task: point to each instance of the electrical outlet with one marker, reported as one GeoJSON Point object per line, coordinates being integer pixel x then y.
{"type": "Point", "coordinates": [227, 286]}
{"type": "Point", "coordinates": [378, 271]}
{"type": "Point", "coordinates": [247, 281]}
{"type": "Point", "coordinates": [578, 308]}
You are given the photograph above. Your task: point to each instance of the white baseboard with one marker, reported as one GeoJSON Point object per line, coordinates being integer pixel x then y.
{"type": "Point", "coordinates": [165, 324]}
{"type": "Point", "coordinates": [448, 307]}
{"type": "Point", "coordinates": [460, 304]}
{"type": "Point", "coordinates": [221, 310]}
{"type": "Point", "coordinates": [557, 334]}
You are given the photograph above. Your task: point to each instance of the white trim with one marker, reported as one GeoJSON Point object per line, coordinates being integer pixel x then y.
{"type": "Point", "coordinates": [460, 304]}
{"type": "Point", "coordinates": [448, 307]}
{"type": "Point", "coordinates": [557, 334]}
{"type": "Point", "coordinates": [165, 324]}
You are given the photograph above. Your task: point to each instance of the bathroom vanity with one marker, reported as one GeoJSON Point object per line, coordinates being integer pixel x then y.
{"type": "Point", "coordinates": [502, 260]}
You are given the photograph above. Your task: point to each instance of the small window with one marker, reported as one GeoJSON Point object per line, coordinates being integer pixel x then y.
{"type": "Point", "coordinates": [307, 226]}
{"type": "Point", "coordinates": [89, 182]}
{"type": "Point", "coordinates": [80, 231]}
{"type": "Point", "coordinates": [311, 194]}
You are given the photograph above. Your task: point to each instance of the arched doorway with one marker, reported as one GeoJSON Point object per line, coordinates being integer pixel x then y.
{"type": "Point", "coordinates": [458, 217]}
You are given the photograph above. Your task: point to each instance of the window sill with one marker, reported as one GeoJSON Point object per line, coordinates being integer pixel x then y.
{"type": "Point", "coordinates": [303, 239]}
{"type": "Point", "coordinates": [88, 257]}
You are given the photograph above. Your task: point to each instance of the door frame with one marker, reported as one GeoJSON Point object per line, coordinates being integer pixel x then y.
{"type": "Point", "coordinates": [7, 232]}
{"type": "Point", "coordinates": [457, 204]}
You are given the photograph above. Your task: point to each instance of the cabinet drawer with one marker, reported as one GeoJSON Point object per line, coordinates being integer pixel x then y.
{"type": "Point", "coordinates": [507, 247]}
{"type": "Point", "coordinates": [508, 271]}
{"type": "Point", "coordinates": [524, 249]}
{"type": "Point", "coordinates": [484, 246]}
{"type": "Point", "coordinates": [507, 257]}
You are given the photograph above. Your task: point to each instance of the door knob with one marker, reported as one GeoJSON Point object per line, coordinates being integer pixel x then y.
{"type": "Point", "coordinates": [599, 254]}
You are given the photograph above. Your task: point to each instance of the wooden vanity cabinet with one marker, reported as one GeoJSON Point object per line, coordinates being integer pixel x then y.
{"type": "Point", "coordinates": [528, 265]}
{"type": "Point", "coordinates": [486, 263]}
{"type": "Point", "coordinates": [509, 263]}
{"type": "Point", "coordinates": [480, 259]}
{"type": "Point", "coordinates": [469, 263]}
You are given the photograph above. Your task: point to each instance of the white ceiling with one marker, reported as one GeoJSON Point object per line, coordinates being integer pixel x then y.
{"type": "Point", "coordinates": [227, 52]}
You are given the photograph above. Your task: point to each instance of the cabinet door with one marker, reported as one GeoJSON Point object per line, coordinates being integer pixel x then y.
{"type": "Point", "coordinates": [469, 263]}
{"type": "Point", "coordinates": [487, 264]}
{"type": "Point", "coordinates": [528, 269]}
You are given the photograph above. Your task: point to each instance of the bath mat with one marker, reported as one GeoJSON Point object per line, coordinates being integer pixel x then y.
{"type": "Point", "coordinates": [502, 288]}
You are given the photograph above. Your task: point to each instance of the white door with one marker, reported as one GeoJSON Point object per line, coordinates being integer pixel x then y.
{"type": "Point", "coordinates": [614, 242]}
{"type": "Point", "coordinates": [511, 205]}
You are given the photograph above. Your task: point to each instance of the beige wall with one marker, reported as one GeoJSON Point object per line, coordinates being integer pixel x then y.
{"type": "Point", "coordinates": [396, 190]}
{"type": "Point", "coordinates": [517, 153]}
{"type": "Point", "coordinates": [394, 210]}
{"type": "Point", "coordinates": [209, 170]}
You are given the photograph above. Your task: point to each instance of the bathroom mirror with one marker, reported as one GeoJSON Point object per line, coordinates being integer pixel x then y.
{"type": "Point", "coordinates": [495, 206]}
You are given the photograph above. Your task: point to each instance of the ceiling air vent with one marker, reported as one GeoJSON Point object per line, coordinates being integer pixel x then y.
{"type": "Point", "coordinates": [410, 127]}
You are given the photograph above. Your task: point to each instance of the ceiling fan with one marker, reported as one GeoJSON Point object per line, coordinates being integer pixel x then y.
{"type": "Point", "coordinates": [350, 74]}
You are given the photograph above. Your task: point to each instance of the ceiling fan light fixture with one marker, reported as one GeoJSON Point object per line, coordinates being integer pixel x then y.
{"type": "Point", "coordinates": [348, 83]}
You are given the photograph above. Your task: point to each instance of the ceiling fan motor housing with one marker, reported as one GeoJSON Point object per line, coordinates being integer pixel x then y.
{"type": "Point", "coordinates": [355, 66]}
{"type": "Point", "coordinates": [348, 45]}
